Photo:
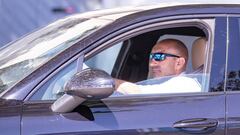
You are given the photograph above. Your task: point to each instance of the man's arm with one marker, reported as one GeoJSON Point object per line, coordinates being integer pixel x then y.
{"type": "Point", "coordinates": [125, 87]}
{"type": "Point", "coordinates": [118, 82]}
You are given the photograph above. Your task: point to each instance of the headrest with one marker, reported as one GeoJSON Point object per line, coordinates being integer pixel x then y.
{"type": "Point", "coordinates": [198, 52]}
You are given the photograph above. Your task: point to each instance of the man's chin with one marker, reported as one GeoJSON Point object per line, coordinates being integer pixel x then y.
{"type": "Point", "coordinates": [156, 76]}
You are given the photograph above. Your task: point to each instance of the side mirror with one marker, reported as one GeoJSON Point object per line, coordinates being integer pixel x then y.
{"type": "Point", "coordinates": [88, 84]}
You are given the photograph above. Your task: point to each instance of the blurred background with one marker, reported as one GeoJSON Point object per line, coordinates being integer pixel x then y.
{"type": "Point", "coordinates": [19, 17]}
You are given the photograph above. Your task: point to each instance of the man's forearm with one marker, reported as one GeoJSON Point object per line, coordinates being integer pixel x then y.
{"type": "Point", "coordinates": [125, 87]}
{"type": "Point", "coordinates": [118, 82]}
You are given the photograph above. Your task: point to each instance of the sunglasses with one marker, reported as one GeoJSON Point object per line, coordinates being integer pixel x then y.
{"type": "Point", "coordinates": [161, 56]}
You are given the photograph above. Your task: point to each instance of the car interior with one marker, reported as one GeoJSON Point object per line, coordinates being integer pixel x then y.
{"type": "Point", "coordinates": [128, 60]}
{"type": "Point", "coordinates": [132, 61]}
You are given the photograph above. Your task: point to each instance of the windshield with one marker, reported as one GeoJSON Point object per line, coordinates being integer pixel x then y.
{"type": "Point", "coordinates": [20, 58]}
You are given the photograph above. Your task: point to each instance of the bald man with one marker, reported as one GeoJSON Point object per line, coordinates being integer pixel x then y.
{"type": "Point", "coordinates": [168, 58]}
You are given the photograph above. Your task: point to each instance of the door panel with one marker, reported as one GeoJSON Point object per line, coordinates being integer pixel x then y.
{"type": "Point", "coordinates": [233, 115]}
{"type": "Point", "coordinates": [10, 117]}
{"type": "Point", "coordinates": [131, 115]}
{"type": "Point", "coordinates": [158, 114]}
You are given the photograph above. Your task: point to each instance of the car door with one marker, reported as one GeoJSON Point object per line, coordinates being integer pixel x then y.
{"type": "Point", "coordinates": [10, 116]}
{"type": "Point", "coordinates": [200, 113]}
{"type": "Point", "coordinates": [233, 87]}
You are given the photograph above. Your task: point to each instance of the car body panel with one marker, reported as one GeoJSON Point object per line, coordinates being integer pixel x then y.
{"type": "Point", "coordinates": [233, 115]}
{"type": "Point", "coordinates": [137, 115]}
{"type": "Point", "coordinates": [10, 117]}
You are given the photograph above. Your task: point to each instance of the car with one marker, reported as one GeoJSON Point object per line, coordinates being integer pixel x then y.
{"type": "Point", "coordinates": [60, 78]}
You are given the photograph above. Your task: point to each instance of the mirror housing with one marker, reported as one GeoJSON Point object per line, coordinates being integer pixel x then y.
{"type": "Point", "coordinates": [88, 84]}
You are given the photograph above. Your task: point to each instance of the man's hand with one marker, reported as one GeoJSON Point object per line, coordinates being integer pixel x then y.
{"type": "Point", "coordinates": [126, 88]}
{"type": "Point", "coordinates": [118, 82]}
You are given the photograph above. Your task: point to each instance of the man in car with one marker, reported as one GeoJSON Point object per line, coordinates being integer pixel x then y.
{"type": "Point", "coordinates": [168, 58]}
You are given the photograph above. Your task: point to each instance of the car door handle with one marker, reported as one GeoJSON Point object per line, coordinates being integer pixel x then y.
{"type": "Point", "coordinates": [196, 125]}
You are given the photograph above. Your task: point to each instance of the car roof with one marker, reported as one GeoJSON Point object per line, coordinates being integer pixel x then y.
{"type": "Point", "coordinates": [163, 4]}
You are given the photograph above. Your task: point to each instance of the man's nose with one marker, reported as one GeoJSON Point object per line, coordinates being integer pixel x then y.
{"type": "Point", "coordinates": [152, 63]}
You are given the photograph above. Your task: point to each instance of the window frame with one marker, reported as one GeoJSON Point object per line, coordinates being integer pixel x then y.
{"type": "Point", "coordinates": [137, 29]}
{"type": "Point", "coordinates": [162, 25]}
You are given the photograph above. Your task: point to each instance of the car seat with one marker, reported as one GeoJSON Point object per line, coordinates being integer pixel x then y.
{"type": "Point", "coordinates": [198, 54]}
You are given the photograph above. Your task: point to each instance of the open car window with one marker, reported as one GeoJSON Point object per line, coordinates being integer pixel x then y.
{"type": "Point", "coordinates": [128, 60]}
{"type": "Point", "coordinates": [104, 60]}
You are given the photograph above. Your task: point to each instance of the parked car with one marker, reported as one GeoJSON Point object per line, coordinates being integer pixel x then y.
{"type": "Point", "coordinates": [45, 88]}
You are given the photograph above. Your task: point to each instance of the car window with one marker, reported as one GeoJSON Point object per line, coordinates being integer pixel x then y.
{"type": "Point", "coordinates": [54, 88]}
{"type": "Point", "coordinates": [40, 46]}
{"type": "Point", "coordinates": [233, 70]}
{"type": "Point", "coordinates": [194, 79]}
{"type": "Point", "coordinates": [106, 59]}
{"type": "Point", "coordinates": [129, 60]}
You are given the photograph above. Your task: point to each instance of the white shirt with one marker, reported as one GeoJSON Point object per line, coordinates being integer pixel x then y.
{"type": "Point", "coordinates": [176, 84]}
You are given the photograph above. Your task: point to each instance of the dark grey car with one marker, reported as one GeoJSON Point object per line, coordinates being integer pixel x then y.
{"type": "Point", "coordinates": [38, 70]}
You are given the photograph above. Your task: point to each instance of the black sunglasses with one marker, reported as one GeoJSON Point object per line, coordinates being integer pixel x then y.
{"type": "Point", "coordinates": [161, 56]}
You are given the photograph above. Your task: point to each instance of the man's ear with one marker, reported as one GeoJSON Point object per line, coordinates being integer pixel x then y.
{"type": "Point", "coordinates": [180, 63]}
